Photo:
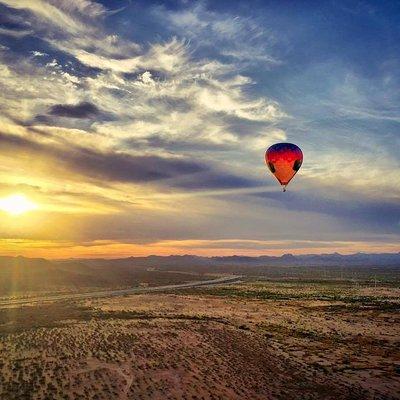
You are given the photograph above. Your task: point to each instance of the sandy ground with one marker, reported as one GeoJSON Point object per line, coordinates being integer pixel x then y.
{"type": "Point", "coordinates": [202, 345]}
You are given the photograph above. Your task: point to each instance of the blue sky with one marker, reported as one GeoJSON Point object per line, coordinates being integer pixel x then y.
{"type": "Point", "coordinates": [140, 127]}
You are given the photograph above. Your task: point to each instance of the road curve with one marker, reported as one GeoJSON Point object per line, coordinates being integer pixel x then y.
{"type": "Point", "coordinates": [110, 293]}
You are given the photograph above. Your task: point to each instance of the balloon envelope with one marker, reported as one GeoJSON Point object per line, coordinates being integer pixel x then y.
{"type": "Point", "coordinates": [284, 160]}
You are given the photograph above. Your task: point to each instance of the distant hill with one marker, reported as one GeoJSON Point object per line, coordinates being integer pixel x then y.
{"type": "Point", "coordinates": [324, 260]}
{"type": "Point", "coordinates": [20, 275]}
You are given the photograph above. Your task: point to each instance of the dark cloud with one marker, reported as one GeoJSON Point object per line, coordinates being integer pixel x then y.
{"type": "Point", "coordinates": [242, 126]}
{"type": "Point", "coordinates": [84, 109]}
{"type": "Point", "coordinates": [41, 119]}
{"type": "Point", "coordinates": [383, 215]}
{"type": "Point", "coordinates": [124, 167]}
{"type": "Point", "coordinates": [171, 144]}
{"type": "Point", "coordinates": [216, 180]}
{"type": "Point", "coordinates": [83, 124]}
{"type": "Point", "coordinates": [104, 166]}
{"type": "Point", "coordinates": [121, 167]}
{"type": "Point", "coordinates": [10, 20]}
{"type": "Point", "coordinates": [171, 104]}
{"type": "Point", "coordinates": [80, 115]}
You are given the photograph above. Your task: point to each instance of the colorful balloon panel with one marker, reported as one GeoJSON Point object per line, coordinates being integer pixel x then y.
{"type": "Point", "coordinates": [284, 160]}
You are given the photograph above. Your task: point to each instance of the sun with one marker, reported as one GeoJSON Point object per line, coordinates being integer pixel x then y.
{"type": "Point", "coordinates": [16, 204]}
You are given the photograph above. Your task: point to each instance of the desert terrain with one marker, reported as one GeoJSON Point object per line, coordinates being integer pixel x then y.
{"type": "Point", "coordinates": [258, 338]}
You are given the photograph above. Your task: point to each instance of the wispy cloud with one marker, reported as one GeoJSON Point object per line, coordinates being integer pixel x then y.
{"type": "Point", "coordinates": [138, 130]}
{"type": "Point", "coordinates": [238, 38]}
{"type": "Point", "coordinates": [15, 33]}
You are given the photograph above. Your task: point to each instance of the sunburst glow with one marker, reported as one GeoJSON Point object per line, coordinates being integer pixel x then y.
{"type": "Point", "coordinates": [16, 204]}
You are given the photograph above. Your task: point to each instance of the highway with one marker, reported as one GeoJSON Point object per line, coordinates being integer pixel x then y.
{"type": "Point", "coordinates": [121, 292]}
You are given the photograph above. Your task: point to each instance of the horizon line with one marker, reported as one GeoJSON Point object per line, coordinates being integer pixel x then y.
{"type": "Point", "coordinates": [201, 256]}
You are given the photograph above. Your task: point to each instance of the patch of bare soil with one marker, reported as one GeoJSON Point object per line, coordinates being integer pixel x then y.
{"type": "Point", "coordinates": [203, 345]}
{"type": "Point", "coordinates": [156, 359]}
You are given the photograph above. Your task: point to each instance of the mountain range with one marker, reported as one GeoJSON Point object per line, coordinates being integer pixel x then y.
{"type": "Point", "coordinates": [20, 275]}
{"type": "Point", "coordinates": [333, 259]}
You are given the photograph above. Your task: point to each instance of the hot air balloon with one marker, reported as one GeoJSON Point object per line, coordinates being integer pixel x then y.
{"type": "Point", "coordinates": [284, 160]}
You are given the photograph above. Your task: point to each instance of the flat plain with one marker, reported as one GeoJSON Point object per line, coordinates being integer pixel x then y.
{"type": "Point", "coordinates": [257, 339]}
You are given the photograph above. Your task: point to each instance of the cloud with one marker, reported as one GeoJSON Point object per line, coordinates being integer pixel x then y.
{"type": "Point", "coordinates": [38, 54]}
{"type": "Point", "coordinates": [120, 167]}
{"type": "Point", "coordinates": [15, 33]}
{"type": "Point", "coordinates": [80, 116]}
{"type": "Point", "coordinates": [190, 102]}
{"type": "Point", "coordinates": [214, 180]}
{"type": "Point", "coordinates": [181, 144]}
{"type": "Point", "coordinates": [378, 214]}
{"type": "Point", "coordinates": [103, 166]}
{"type": "Point", "coordinates": [241, 39]}
{"type": "Point", "coordinates": [172, 95]}
{"type": "Point", "coordinates": [66, 15]}
{"type": "Point", "coordinates": [168, 57]}
{"type": "Point", "coordinates": [84, 109]}
{"type": "Point", "coordinates": [47, 13]}
{"type": "Point", "coordinates": [72, 27]}
{"type": "Point", "coordinates": [95, 109]}
{"type": "Point", "coordinates": [85, 8]}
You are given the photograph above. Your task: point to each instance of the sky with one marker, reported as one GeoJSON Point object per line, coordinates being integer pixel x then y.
{"type": "Point", "coordinates": [139, 127]}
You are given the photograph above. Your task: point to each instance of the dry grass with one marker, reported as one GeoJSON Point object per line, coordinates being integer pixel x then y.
{"type": "Point", "coordinates": [217, 343]}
